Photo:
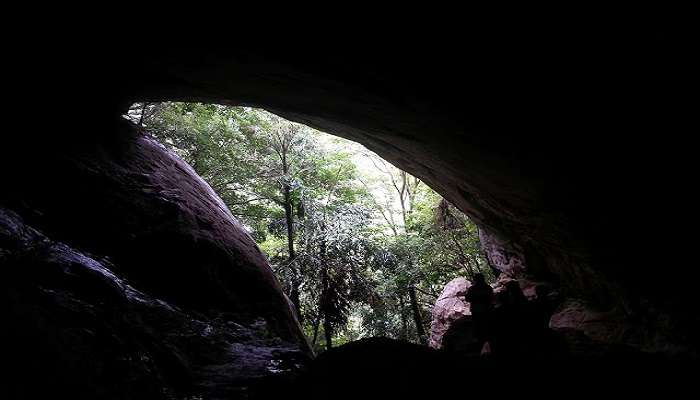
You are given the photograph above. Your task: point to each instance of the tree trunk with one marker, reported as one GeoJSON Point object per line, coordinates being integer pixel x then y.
{"type": "Point", "coordinates": [289, 219]}
{"type": "Point", "coordinates": [325, 292]}
{"type": "Point", "coordinates": [317, 324]}
{"type": "Point", "coordinates": [416, 315]}
{"type": "Point", "coordinates": [404, 321]}
{"type": "Point", "coordinates": [295, 298]}
{"type": "Point", "coordinates": [296, 278]}
{"type": "Point", "coordinates": [143, 114]}
{"type": "Point", "coordinates": [328, 332]}
{"type": "Point", "coordinates": [327, 327]}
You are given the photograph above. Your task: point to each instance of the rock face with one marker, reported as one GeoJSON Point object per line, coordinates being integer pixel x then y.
{"type": "Point", "coordinates": [449, 308]}
{"type": "Point", "coordinates": [77, 328]}
{"type": "Point", "coordinates": [589, 331]}
{"type": "Point", "coordinates": [130, 199]}
{"type": "Point", "coordinates": [501, 255]}
{"type": "Point", "coordinates": [578, 328]}
{"type": "Point", "coordinates": [139, 271]}
{"type": "Point", "coordinates": [451, 326]}
{"type": "Point", "coordinates": [598, 326]}
{"type": "Point", "coordinates": [528, 287]}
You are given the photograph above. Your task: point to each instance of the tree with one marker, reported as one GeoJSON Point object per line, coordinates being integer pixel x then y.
{"type": "Point", "coordinates": [224, 145]}
{"type": "Point", "coordinates": [431, 242]}
{"type": "Point", "coordinates": [402, 189]}
{"type": "Point", "coordinates": [284, 138]}
{"type": "Point", "coordinates": [358, 251]}
{"type": "Point", "coordinates": [334, 242]}
{"type": "Point", "coordinates": [254, 160]}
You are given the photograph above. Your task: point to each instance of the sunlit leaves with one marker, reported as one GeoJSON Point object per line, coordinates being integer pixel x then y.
{"type": "Point", "coordinates": [363, 235]}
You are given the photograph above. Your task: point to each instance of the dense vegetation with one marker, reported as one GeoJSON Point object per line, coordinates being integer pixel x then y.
{"type": "Point", "coordinates": [361, 248]}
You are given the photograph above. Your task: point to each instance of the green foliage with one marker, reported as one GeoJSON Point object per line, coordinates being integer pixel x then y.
{"type": "Point", "coordinates": [362, 238]}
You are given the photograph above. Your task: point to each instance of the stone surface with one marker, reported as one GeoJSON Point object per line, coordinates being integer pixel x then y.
{"type": "Point", "coordinates": [380, 368]}
{"type": "Point", "coordinates": [448, 308]}
{"type": "Point", "coordinates": [506, 257]}
{"type": "Point", "coordinates": [579, 328]}
{"type": "Point", "coordinates": [139, 268]}
{"type": "Point", "coordinates": [451, 328]}
{"type": "Point", "coordinates": [130, 199]}
{"type": "Point", "coordinates": [78, 329]}
{"type": "Point", "coordinates": [528, 286]}
{"type": "Point", "coordinates": [589, 331]}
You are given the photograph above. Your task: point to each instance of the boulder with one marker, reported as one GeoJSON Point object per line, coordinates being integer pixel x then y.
{"type": "Point", "coordinates": [449, 308]}
{"type": "Point", "coordinates": [451, 327]}
{"type": "Point", "coordinates": [80, 330]}
{"type": "Point", "coordinates": [128, 277]}
{"type": "Point", "coordinates": [128, 198]}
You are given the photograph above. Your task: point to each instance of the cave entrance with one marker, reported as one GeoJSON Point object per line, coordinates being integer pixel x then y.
{"type": "Point", "coordinates": [360, 247]}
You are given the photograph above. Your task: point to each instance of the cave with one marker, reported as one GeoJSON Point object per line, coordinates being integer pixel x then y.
{"type": "Point", "coordinates": [567, 149]}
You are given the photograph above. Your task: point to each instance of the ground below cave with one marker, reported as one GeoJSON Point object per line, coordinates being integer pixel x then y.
{"type": "Point", "coordinates": [385, 368]}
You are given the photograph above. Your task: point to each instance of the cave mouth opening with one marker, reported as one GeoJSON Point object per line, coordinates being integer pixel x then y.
{"type": "Point", "coordinates": [362, 248]}
{"type": "Point", "coordinates": [546, 146]}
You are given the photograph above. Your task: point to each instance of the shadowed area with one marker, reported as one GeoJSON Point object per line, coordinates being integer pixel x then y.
{"type": "Point", "coordinates": [567, 148]}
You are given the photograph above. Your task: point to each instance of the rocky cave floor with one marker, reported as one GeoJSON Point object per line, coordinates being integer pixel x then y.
{"type": "Point", "coordinates": [385, 368]}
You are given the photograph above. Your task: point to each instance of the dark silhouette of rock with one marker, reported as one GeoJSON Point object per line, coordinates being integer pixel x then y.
{"type": "Point", "coordinates": [77, 329]}
{"type": "Point", "coordinates": [461, 337]}
{"type": "Point", "coordinates": [380, 368]}
{"type": "Point", "coordinates": [481, 300]}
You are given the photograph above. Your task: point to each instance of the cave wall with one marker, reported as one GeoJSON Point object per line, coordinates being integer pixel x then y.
{"type": "Point", "coordinates": [543, 141]}
{"type": "Point", "coordinates": [127, 277]}
{"type": "Point", "coordinates": [559, 145]}
{"type": "Point", "coordinates": [75, 328]}
{"type": "Point", "coordinates": [568, 143]}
